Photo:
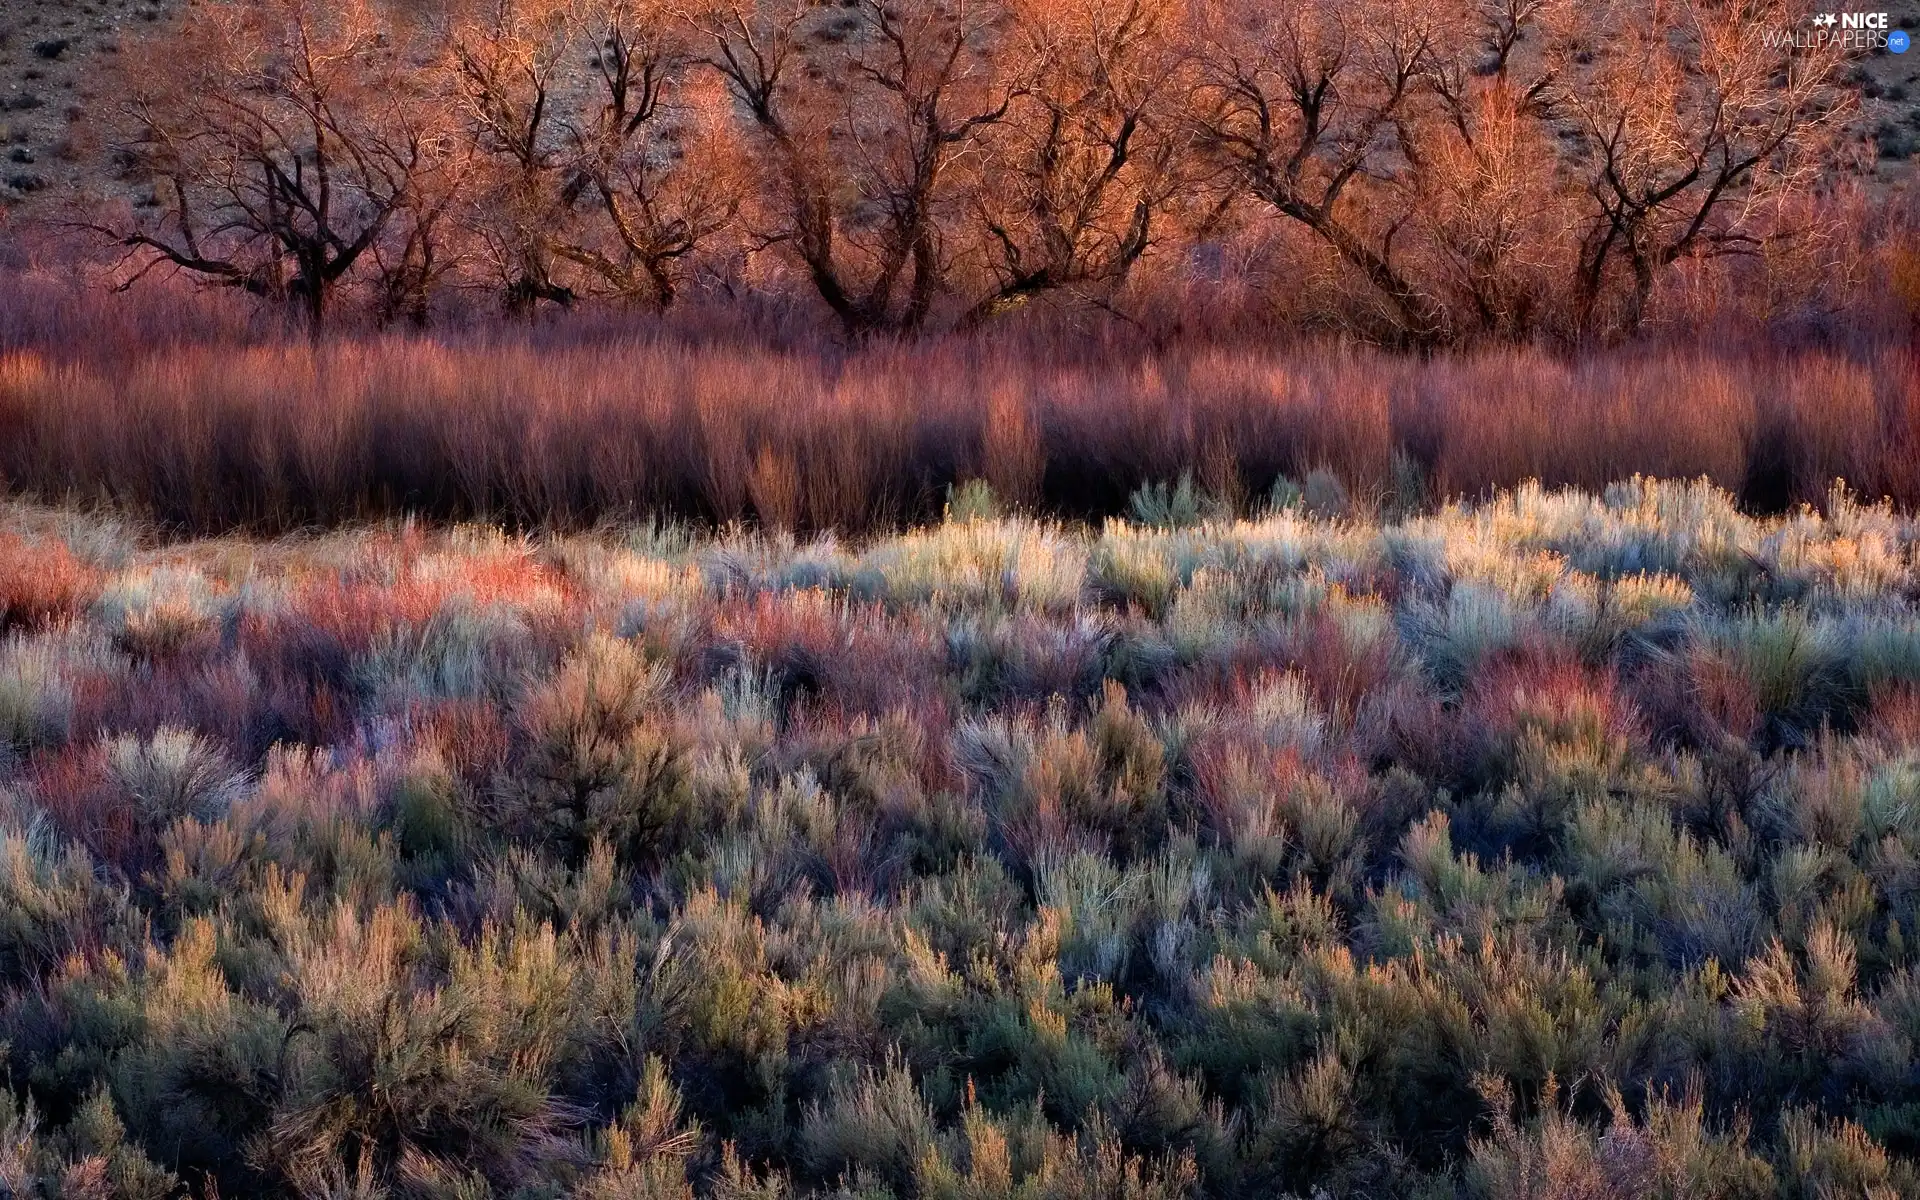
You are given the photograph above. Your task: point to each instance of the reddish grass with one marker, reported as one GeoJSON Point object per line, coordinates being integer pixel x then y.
{"type": "Point", "coordinates": [1341, 674]}
{"type": "Point", "coordinates": [42, 582]}
{"type": "Point", "coordinates": [859, 662]}
{"type": "Point", "coordinates": [1544, 685]}
{"type": "Point", "coordinates": [540, 432]}
{"type": "Point", "coordinates": [1700, 697]}
{"type": "Point", "coordinates": [1407, 725]}
{"type": "Point", "coordinates": [71, 787]}
{"type": "Point", "coordinates": [1893, 717]}
{"type": "Point", "coordinates": [223, 699]}
{"type": "Point", "coordinates": [471, 734]}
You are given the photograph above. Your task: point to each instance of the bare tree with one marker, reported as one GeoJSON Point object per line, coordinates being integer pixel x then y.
{"type": "Point", "coordinates": [655, 152]}
{"type": "Point", "coordinates": [286, 141]}
{"type": "Point", "coordinates": [1306, 104]}
{"type": "Point", "coordinates": [1467, 159]}
{"type": "Point", "coordinates": [508, 59]}
{"type": "Point", "coordinates": [1493, 217]}
{"type": "Point", "coordinates": [1466, 168]}
{"type": "Point", "coordinates": [1491, 203]}
{"type": "Point", "coordinates": [1691, 124]}
{"type": "Point", "coordinates": [602, 146]}
{"type": "Point", "coordinates": [1094, 153]}
{"type": "Point", "coordinates": [864, 116]}
{"type": "Point", "coordinates": [420, 252]}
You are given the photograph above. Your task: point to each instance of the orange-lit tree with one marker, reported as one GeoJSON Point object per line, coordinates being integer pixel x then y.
{"type": "Point", "coordinates": [287, 138]}
{"type": "Point", "coordinates": [1094, 157]}
{"type": "Point", "coordinates": [507, 59]}
{"type": "Point", "coordinates": [1490, 168]}
{"type": "Point", "coordinates": [600, 147]}
{"type": "Point", "coordinates": [866, 120]}
{"type": "Point", "coordinates": [1690, 128]}
{"type": "Point", "coordinates": [655, 154]}
{"type": "Point", "coordinates": [1307, 106]}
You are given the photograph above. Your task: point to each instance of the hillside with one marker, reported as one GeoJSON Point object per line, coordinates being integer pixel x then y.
{"type": "Point", "coordinates": [58, 60]}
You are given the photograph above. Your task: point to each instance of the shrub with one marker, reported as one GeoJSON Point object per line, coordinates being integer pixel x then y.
{"type": "Point", "coordinates": [600, 761]}
{"type": "Point", "coordinates": [36, 694]}
{"type": "Point", "coordinates": [171, 775]}
{"type": "Point", "coordinates": [158, 614]}
{"type": "Point", "coordinates": [1165, 506]}
{"type": "Point", "coordinates": [973, 500]}
{"type": "Point", "coordinates": [1824, 1158]}
{"type": "Point", "coordinates": [874, 1126]}
{"type": "Point", "coordinates": [43, 583]}
{"type": "Point", "coordinates": [1135, 570]}
{"type": "Point", "coordinates": [1667, 1153]}
{"type": "Point", "coordinates": [53, 903]}
{"type": "Point", "coordinates": [644, 1154]}
{"type": "Point", "coordinates": [1793, 665]}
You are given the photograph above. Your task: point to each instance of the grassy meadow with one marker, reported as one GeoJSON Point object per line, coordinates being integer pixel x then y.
{"type": "Point", "coordinates": [1564, 844]}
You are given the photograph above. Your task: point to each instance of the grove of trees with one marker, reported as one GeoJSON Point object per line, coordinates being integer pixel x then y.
{"type": "Point", "coordinates": [1441, 172]}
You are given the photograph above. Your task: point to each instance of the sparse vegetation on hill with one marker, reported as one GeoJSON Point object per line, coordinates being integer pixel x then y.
{"type": "Point", "coordinates": [1557, 847]}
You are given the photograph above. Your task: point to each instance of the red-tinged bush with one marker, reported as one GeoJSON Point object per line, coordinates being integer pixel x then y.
{"type": "Point", "coordinates": [1276, 811]}
{"type": "Point", "coordinates": [1406, 724]}
{"type": "Point", "coordinates": [1553, 735]}
{"type": "Point", "coordinates": [833, 651]}
{"type": "Point", "coordinates": [117, 795]}
{"type": "Point", "coordinates": [1701, 698]}
{"type": "Point", "coordinates": [1342, 668]}
{"type": "Point", "coordinates": [42, 582]}
{"type": "Point", "coordinates": [472, 736]}
{"type": "Point", "coordinates": [306, 713]}
{"type": "Point", "coordinates": [221, 698]}
{"type": "Point", "coordinates": [1238, 783]}
{"type": "Point", "coordinates": [1545, 692]}
{"type": "Point", "coordinates": [894, 760]}
{"type": "Point", "coordinates": [1893, 717]}
{"type": "Point", "coordinates": [71, 787]}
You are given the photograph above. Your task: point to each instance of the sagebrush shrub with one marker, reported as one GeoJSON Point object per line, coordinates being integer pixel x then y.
{"type": "Point", "coordinates": [601, 760]}
{"type": "Point", "coordinates": [172, 774]}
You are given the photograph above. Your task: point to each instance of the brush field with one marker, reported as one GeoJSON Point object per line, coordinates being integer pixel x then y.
{"type": "Point", "coordinates": [1562, 845]}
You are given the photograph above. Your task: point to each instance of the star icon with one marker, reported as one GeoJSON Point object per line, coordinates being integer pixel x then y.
{"type": "Point", "coordinates": [1827, 19]}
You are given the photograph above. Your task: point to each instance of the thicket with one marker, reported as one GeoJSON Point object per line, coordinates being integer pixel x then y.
{"type": "Point", "coordinates": [1561, 846]}
{"type": "Point", "coordinates": [213, 428]}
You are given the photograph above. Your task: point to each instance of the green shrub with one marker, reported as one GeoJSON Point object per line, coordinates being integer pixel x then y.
{"type": "Point", "coordinates": [1168, 506]}
{"type": "Point", "coordinates": [601, 761]}
{"type": "Point", "coordinates": [973, 500]}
